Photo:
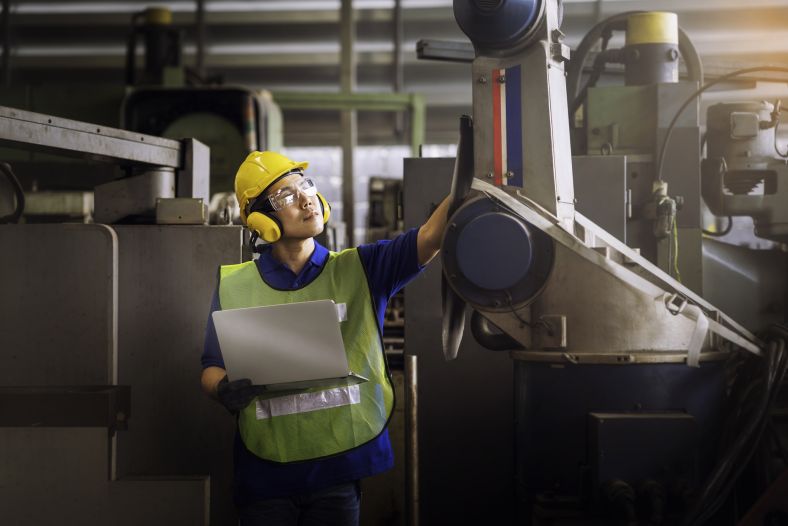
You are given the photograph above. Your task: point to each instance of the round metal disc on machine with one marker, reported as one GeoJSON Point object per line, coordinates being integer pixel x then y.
{"type": "Point", "coordinates": [493, 259]}
{"type": "Point", "coordinates": [488, 263]}
{"type": "Point", "coordinates": [497, 24]}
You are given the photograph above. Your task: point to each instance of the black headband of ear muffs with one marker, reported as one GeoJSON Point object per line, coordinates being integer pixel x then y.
{"type": "Point", "coordinates": [262, 205]}
{"type": "Point", "coordinates": [253, 247]}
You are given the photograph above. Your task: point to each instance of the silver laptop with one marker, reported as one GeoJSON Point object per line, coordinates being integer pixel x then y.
{"type": "Point", "coordinates": [290, 346]}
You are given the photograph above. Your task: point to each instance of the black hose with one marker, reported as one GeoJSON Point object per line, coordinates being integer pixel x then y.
{"type": "Point", "coordinates": [575, 69]}
{"type": "Point", "coordinates": [622, 497]}
{"type": "Point", "coordinates": [14, 217]}
{"type": "Point", "coordinates": [691, 58]}
{"type": "Point", "coordinates": [721, 482]}
{"type": "Point", "coordinates": [484, 331]}
{"type": "Point", "coordinates": [655, 493]}
{"type": "Point", "coordinates": [603, 58]}
{"type": "Point", "coordinates": [778, 370]}
{"type": "Point", "coordinates": [776, 118]}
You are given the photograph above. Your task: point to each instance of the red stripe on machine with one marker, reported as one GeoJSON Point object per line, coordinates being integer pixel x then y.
{"type": "Point", "coordinates": [498, 130]}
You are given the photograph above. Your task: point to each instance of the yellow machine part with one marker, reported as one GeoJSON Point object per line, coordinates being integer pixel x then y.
{"type": "Point", "coordinates": [158, 16]}
{"type": "Point", "coordinates": [652, 28]}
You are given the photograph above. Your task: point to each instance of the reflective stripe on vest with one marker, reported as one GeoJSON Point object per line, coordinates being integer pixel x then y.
{"type": "Point", "coordinates": [318, 422]}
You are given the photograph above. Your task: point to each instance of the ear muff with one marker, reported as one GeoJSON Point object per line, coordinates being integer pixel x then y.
{"type": "Point", "coordinates": [268, 227]}
{"type": "Point", "coordinates": [325, 207]}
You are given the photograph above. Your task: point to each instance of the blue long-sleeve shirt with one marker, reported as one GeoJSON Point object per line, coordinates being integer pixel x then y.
{"type": "Point", "coordinates": [389, 266]}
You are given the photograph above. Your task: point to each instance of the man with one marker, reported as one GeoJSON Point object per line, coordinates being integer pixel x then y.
{"type": "Point", "coordinates": [303, 468]}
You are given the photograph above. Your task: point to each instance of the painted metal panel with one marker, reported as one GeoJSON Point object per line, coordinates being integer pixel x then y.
{"type": "Point", "coordinates": [60, 475]}
{"type": "Point", "coordinates": [600, 189]}
{"type": "Point", "coordinates": [167, 278]}
{"type": "Point", "coordinates": [58, 306]}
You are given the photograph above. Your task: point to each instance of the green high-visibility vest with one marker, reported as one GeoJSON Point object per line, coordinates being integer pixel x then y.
{"type": "Point", "coordinates": [317, 422]}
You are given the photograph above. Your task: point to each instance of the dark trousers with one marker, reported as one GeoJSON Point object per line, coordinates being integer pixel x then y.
{"type": "Point", "coordinates": [334, 506]}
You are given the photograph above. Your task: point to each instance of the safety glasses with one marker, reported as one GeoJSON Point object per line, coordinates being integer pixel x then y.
{"type": "Point", "coordinates": [285, 196]}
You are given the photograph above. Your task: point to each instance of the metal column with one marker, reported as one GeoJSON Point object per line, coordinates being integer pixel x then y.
{"type": "Point", "coordinates": [411, 440]}
{"type": "Point", "coordinates": [349, 121]}
{"type": "Point", "coordinates": [200, 26]}
{"type": "Point", "coordinates": [396, 63]}
{"type": "Point", "coordinates": [5, 29]}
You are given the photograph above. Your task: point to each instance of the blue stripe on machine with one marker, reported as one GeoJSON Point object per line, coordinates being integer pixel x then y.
{"type": "Point", "coordinates": [514, 141]}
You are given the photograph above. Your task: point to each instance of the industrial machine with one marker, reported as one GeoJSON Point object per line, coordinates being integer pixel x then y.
{"type": "Point", "coordinates": [742, 154]}
{"type": "Point", "coordinates": [618, 370]}
{"type": "Point", "coordinates": [168, 99]}
{"type": "Point", "coordinates": [623, 405]}
{"type": "Point", "coordinates": [621, 128]}
{"type": "Point", "coordinates": [101, 411]}
{"type": "Point", "coordinates": [102, 416]}
{"type": "Point", "coordinates": [162, 97]}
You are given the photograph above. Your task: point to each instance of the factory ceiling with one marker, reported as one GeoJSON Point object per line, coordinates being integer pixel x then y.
{"type": "Point", "coordinates": [295, 45]}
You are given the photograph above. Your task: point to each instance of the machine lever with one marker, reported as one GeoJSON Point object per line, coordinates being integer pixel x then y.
{"type": "Point", "coordinates": [454, 307]}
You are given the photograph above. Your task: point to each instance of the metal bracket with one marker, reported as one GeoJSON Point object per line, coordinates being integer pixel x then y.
{"type": "Point", "coordinates": [558, 50]}
{"type": "Point", "coordinates": [675, 303]}
{"type": "Point", "coordinates": [445, 50]}
{"type": "Point", "coordinates": [181, 211]}
{"type": "Point", "coordinates": [552, 331]}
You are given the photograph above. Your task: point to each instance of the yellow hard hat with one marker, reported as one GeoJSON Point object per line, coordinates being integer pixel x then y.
{"type": "Point", "coordinates": [259, 171]}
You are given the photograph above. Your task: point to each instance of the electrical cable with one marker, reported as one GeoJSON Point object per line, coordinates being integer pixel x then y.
{"type": "Point", "coordinates": [778, 370]}
{"type": "Point", "coordinates": [744, 442]}
{"type": "Point", "coordinates": [526, 323]}
{"type": "Point", "coordinates": [697, 93]}
{"type": "Point", "coordinates": [703, 508]}
{"type": "Point", "coordinates": [781, 448]}
{"type": "Point", "coordinates": [776, 116]}
{"type": "Point", "coordinates": [675, 242]}
{"type": "Point", "coordinates": [768, 377]}
{"type": "Point", "coordinates": [670, 252]}
{"type": "Point", "coordinates": [752, 448]}
{"type": "Point", "coordinates": [19, 192]}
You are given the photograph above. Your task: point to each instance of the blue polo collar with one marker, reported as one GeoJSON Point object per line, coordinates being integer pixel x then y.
{"type": "Point", "coordinates": [267, 263]}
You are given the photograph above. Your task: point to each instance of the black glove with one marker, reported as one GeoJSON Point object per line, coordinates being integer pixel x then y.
{"type": "Point", "coordinates": [237, 394]}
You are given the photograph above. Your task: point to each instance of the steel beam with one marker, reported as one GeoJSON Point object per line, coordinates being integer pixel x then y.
{"type": "Point", "coordinates": [414, 103]}
{"type": "Point", "coordinates": [90, 141]}
{"type": "Point", "coordinates": [312, 17]}
{"type": "Point", "coordinates": [289, 100]}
